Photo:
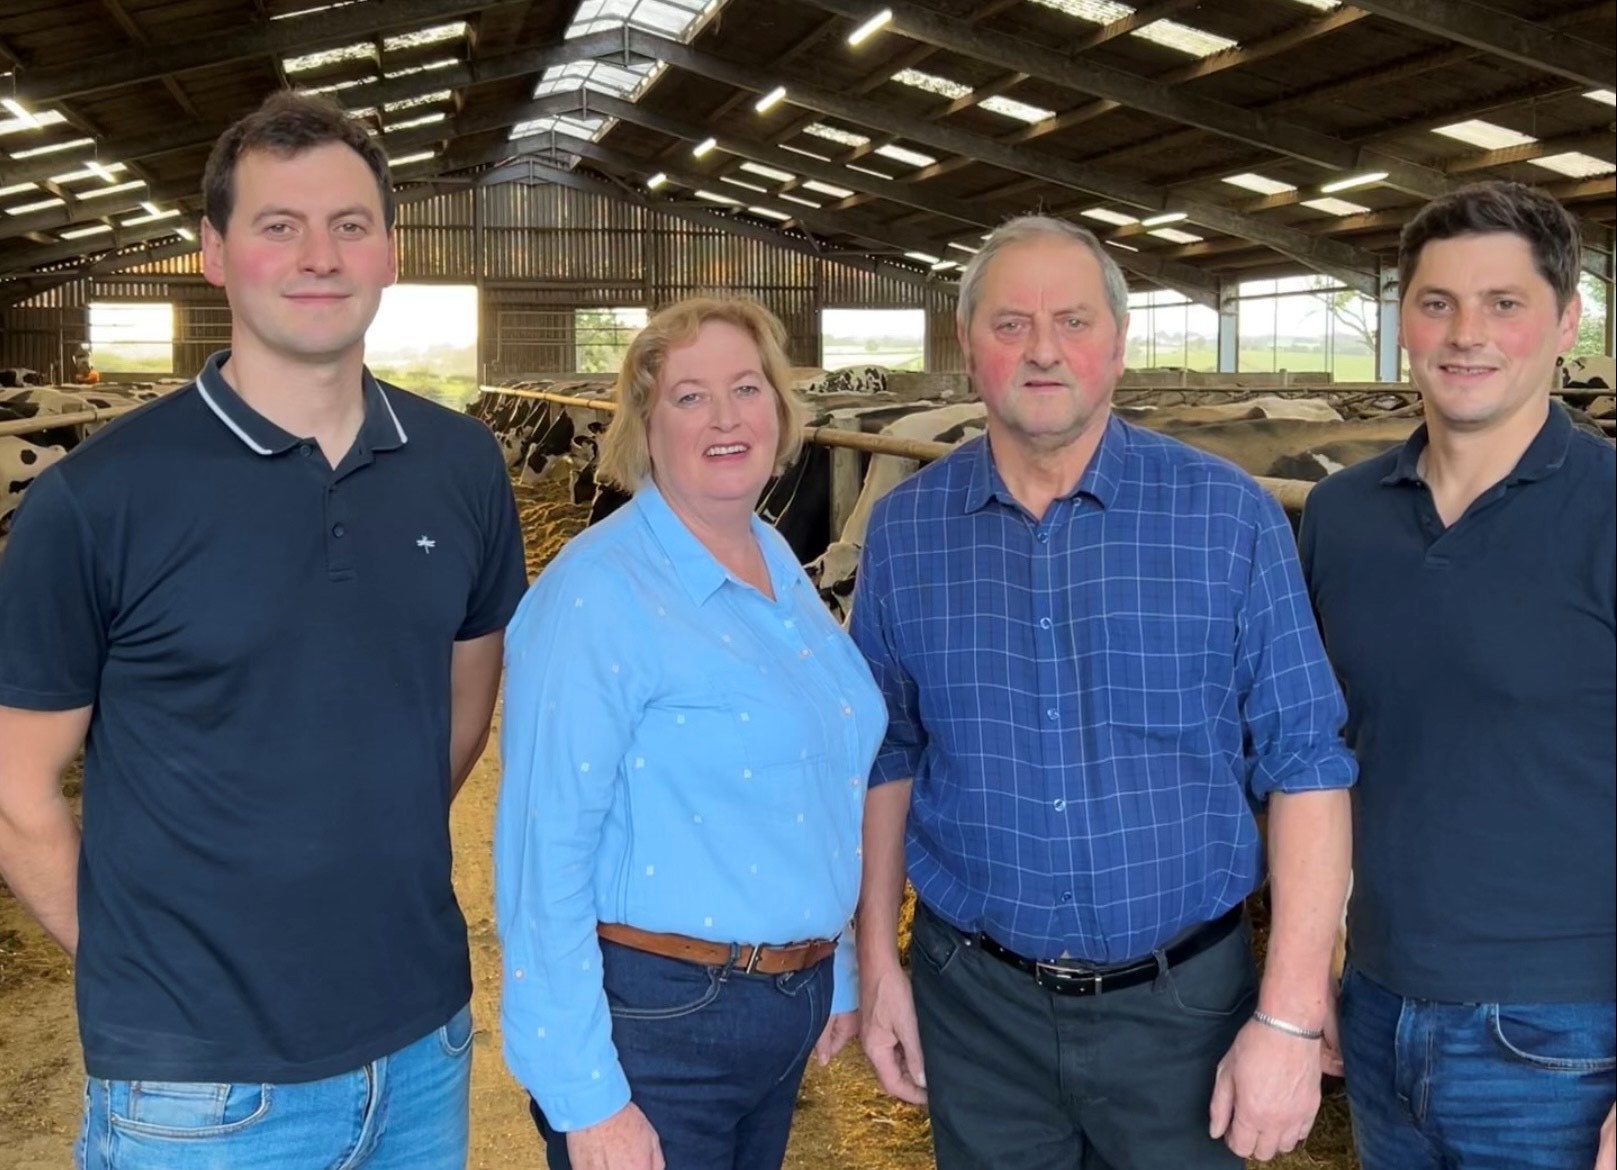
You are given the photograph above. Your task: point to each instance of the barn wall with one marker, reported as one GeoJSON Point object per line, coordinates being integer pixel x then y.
{"type": "Point", "coordinates": [537, 253]}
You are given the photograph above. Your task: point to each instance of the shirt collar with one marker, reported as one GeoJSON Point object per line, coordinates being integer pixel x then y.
{"type": "Point", "coordinates": [698, 570]}
{"type": "Point", "coordinates": [1099, 480]}
{"type": "Point", "coordinates": [380, 430]}
{"type": "Point", "coordinates": [1544, 455]}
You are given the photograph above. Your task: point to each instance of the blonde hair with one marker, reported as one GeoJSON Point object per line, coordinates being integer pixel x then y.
{"type": "Point", "coordinates": [625, 454]}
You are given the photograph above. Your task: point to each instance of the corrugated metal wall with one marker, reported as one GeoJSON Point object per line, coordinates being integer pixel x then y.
{"type": "Point", "coordinates": [542, 247]}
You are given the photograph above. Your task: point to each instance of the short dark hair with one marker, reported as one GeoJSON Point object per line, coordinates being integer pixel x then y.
{"type": "Point", "coordinates": [287, 124]}
{"type": "Point", "coordinates": [1497, 206]}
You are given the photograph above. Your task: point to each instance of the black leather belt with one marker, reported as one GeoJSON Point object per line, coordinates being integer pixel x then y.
{"type": "Point", "coordinates": [1067, 977]}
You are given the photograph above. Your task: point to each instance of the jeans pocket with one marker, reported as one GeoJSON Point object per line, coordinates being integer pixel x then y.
{"type": "Point", "coordinates": [1218, 984]}
{"type": "Point", "coordinates": [933, 942]}
{"type": "Point", "coordinates": [1557, 1037]}
{"type": "Point", "coordinates": [455, 1037]}
{"type": "Point", "coordinates": [185, 1109]}
{"type": "Point", "coordinates": [649, 987]}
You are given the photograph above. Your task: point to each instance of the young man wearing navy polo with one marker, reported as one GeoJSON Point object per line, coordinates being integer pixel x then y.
{"type": "Point", "coordinates": [1466, 584]}
{"type": "Point", "coordinates": [1098, 657]}
{"type": "Point", "coordinates": [270, 606]}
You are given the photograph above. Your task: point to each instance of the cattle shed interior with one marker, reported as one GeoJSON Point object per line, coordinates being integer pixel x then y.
{"type": "Point", "coordinates": [570, 163]}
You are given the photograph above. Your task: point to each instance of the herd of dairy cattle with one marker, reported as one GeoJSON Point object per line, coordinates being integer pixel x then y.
{"type": "Point", "coordinates": [1279, 437]}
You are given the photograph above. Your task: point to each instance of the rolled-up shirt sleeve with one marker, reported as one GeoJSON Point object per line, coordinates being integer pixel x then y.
{"type": "Point", "coordinates": [1291, 703]}
{"type": "Point", "coordinates": [573, 694]}
{"type": "Point", "coordinates": [869, 626]}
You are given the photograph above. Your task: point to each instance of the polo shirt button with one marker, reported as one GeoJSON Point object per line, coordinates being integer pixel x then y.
{"type": "Point", "coordinates": [1044, 623]}
{"type": "Point", "coordinates": [338, 530]}
{"type": "Point", "coordinates": [305, 450]}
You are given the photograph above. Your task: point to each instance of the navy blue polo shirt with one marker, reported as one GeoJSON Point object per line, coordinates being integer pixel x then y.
{"type": "Point", "coordinates": [1480, 667]}
{"type": "Point", "coordinates": [264, 884]}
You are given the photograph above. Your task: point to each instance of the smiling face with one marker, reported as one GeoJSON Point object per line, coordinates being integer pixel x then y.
{"type": "Point", "coordinates": [1482, 330]}
{"type": "Point", "coordinates": [714, 427]}
{"type": "Point", "coordinates": [305, 256]}
{"type": "Point", "coordinates": [1043, 349]}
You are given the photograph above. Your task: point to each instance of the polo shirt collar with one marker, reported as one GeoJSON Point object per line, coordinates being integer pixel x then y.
{"type": "Point", "coordinates": [1544, 455]}
{"type": "Point", "coordinates": [380, 430]}
{"type": "Point", "coordinates": [698, 570]}
{"type": "Point", "coordinates": [1099, 481]}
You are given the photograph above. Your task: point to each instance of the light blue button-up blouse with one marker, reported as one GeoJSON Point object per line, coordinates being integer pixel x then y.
{"type": "Point", "coordinates": [680, 754]}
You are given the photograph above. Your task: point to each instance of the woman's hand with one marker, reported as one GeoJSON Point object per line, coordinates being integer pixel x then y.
{"type": "Point", "coordinates": [839, 1029]}
{"type": "Point", "coordinates": [624, 1141]}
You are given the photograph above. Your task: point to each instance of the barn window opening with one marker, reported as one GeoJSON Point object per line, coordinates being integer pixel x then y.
{"type": "Point", "coordinates": [895, 338]}
{"type": "Point", "coordinates": [128, 337]}
{"type": "Point", "coordinates": [1307, 324]}
{"type": "Point", "coordinates": [424, 338]}
{"type": "Point", "coordinates": [1168, 331]}
{"type": "Point", "coordinates": [601, 337]}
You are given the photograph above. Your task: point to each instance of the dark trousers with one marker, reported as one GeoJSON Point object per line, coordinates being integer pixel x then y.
{"type": "Point", "coordinates": [1475, 1086]}
{"type": "Point", "coordinates": [1020, 1078]}
{"type": "Point", "coordinates": [714, 1057]}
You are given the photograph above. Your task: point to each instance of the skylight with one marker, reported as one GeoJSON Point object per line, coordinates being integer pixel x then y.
{"type": "Point", "coordinates": [1603, 96]}
{"type": "Point", "coordinates": [677, 19]}
{"type": "Point", "coordinates": [932, 83]}
{"type": "Point", "coordinates": [412, 123]}
{"type": "Point", "coordinates": [17, 189]}
{"type": "Point", "coordinates": [715, 197]}
{"type": "Point", "coordinates": [1333, 206]}
{"type": "Point", "coordinates": [1321, 5]}
{"type": "Point", "coordinates": [424, 67]}
{"type": "Point", "coordinates": [1107, 215]}
{"type": "Point", "coordinates": [1259, 184]}
{"type": "Point", "coordinates": [53, 148]}
{"type": "Point", "coordinates": [902, 154]}
{"type": "Point", "coordinates": [41, 205]}
{"type": "Point", "coordinates": [1175, 236]}
{"type": "Point", "coordinates": [578, 125]}
{"type": "Point", "coordinates": [768, 213]}
{"type": "Point", "coordinates": [832, 134]}
{"type": "Point", "coordinates": [867, 171]}
{"type": "Point", "coordinates": [735, 182]}
{"type": "Point", "coordinates": [800, 199]}
{"type": "Point", "coordinates": [1168, 33]}
{"type": "Point", "coordinates": [1484, 134]}
{"type": "Point", "coordinates": [32, 122]}
{"type": "Point", "coordinates": [432, 35]}
{"type": "Point", "coordinates": [358, 51]}
{"type": "Point", "coordinates": [775, 173]}
{"type": "Point", "coordinates": [426, 99]}
{"type": "Point", "coordinates": [807, 153]}
{"type": "Point", "coordinates": [1011, 108]}
{"type": "Point", "coordinates": [1574, 163]}
{"type": "Point", "coordinates": [827, 189]}
{"type": "Point", "coordinates": [405, 160]}
{"type": "Point", "coordinates": [80, 233]}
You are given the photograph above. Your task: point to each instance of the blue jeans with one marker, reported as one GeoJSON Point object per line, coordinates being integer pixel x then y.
{"type": "Point", "coordinates": [1453, 1086]}
{"type": "Point", "coordinates": [714, 1056]}
{"type": "Point", "coordinates": [406, 1111]}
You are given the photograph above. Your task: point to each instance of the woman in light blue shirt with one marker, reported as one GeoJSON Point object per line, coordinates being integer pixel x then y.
{"type": "Point", "coordinates": [685, 741]}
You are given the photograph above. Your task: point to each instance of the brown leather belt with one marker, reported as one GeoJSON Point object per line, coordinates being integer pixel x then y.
{"type": "Point", "coordinates": [750, 960]}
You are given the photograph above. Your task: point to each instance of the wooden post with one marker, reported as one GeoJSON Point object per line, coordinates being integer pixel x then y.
{"type": "Point", "coordinates": [847, 477]}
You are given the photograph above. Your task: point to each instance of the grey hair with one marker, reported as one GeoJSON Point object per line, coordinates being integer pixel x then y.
{"type": "Point", "coordinates": [1029, 227]}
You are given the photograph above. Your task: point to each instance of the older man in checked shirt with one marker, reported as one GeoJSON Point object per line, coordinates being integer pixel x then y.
{"type": "Point", "coordinates": [1099, 661]}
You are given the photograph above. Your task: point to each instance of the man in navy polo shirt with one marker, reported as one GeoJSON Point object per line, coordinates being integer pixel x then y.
{"type": "Point", "coordinates": [1466, 584]}
{"type": "Point", "coordinates": [270, 605]}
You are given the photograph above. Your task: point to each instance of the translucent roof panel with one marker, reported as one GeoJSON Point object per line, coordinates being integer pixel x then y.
{"type": "Point", "coordinates": [1107, 215]}
{"type": "Point", "coordinates": [832, 134]}
{"type": "Point", "coordinates": [32, 122]}
{"type": "Point", "coordinates": [673, 18]}
{"type": "Point", "coordinates": [433, 35]}
{"type": "Point", "coordinates": [1011, 108]}
{"type": "Point", "coordinates": [617, 80]}
{"type": "Point", "coordinates": [578, 125]}
{"type": "Point", "coordinates": [932, 83]}
{"type": "Point", "coordinates": [1321, 5]}
{"type": "Point", "coordinates": [1604, 96]}
{"type": "Point", "coordinates": [358, 51]}
{"type": "Point", "coordinates": [768, 172]}
{"type": "Point", "coordinates": [1175, 236]}
{"type": "Point", "coordinates": [901, 154]}
{"type": "Point", "coordinates": [54, 147]}
{"type": "Point", "coordinates": [1168, 33]}
{"type": "Point", "coordinates": [426, 99]}
{"type": "Point", "coordinates": [1332, 206]}
{"type": "Point", "coordinates": [1484, 134]}
{"type": "Point", "coordinates": [1259, 184]}
{"type": "Point", "coordinates": [827, 189]}
{"type": "Point", "coordinates": [1575, 164]}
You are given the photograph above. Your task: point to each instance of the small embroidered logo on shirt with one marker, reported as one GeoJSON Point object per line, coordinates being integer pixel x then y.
{"type": "Point", "coordinates": [426, 544]}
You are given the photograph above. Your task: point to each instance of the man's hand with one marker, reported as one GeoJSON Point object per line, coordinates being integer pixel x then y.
{"type": "Point", "coordinates": [1606, 1159]}
{"type": "Point", "coordinates": [624, 1141]}
{"type": "Point", "coordinates": [888, 1033]}
{"type": "Point", "coordinates": [1266, 1092]}
{"type": "Point", "coordinates": [839, 1029]}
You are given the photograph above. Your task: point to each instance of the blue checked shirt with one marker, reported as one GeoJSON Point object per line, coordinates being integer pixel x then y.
{"type": "Point", "coordinates": [1091, 704]}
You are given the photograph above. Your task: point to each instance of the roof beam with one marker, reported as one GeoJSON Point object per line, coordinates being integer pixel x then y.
{"type": "Point", "coordinates": [1345, 263]}
{"type": "Point", "coordinates": [977, 213]}
{"type": "Point", "coordinates": [134, 32]}
{"type": "Point", "coordinates": [1599, 143]}
{"type": "Point", "coordinates": [1526, 42]}
{"type": "Point", "coordinates": [119, 239]}
{"type": "Point", "coordinates": [305, 34]}
{"type": "Point", "coordinates": [1141, 93]}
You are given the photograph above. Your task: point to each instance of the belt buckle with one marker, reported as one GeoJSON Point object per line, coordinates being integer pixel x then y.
{"type": "Point", "coordinates": [1066, 980]}
{"type": "Point", "coordinates": [752, 960]}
